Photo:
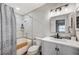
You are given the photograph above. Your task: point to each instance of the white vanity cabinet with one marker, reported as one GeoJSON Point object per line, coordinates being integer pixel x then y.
{"type": "Point", "coordinates": [50, 48]}
{"type": "Point", "coordinates": [67, 50]}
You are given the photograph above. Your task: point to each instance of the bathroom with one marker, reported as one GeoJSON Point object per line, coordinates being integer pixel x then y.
{"type": "Point", "coordinates": [40, 26]}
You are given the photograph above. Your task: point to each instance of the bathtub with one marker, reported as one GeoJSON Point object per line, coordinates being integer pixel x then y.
{"type": "Point", "coordinates": [22, 45]}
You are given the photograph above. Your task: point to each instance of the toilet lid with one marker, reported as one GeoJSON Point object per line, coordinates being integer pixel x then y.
{"type": "Point", "coordinates": [33, 48]}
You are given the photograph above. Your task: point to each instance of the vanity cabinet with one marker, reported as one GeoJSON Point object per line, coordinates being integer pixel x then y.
{"type": "Point", "coordinates": [67, 50]}
{"type": "Point", "coordinates": [49, 48]}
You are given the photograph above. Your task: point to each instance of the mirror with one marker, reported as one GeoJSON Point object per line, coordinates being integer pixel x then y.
{"type": "Point", "coordinates": [66, 18]}
{"type": "Point", "coordinates": [59, 24]}
{"type": "Point", "coordinates": [66, 23]}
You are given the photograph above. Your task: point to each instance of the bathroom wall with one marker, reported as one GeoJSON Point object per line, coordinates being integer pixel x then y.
{"type": "Point", "coordinates": [41, 25]}
{"type": "Point", "coordinates": [37, 22]}
{"type": "Point", "coordinates": [28, 26]}
{"type": "Point", "coordinates": [27, 22]}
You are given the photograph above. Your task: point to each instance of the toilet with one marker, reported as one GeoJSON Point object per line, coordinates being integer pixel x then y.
{"type": "Point", "coordinates": [34, 50]}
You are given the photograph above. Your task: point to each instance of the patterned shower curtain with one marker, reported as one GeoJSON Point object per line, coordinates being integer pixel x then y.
{"type": "Point", "coordinates": [7, 30]}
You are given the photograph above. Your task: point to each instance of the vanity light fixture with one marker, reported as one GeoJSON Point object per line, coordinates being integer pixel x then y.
{"type": "Point", "coordinates": [77, 9]}
{"type": "Point", "coordinates": [66, 5]}
{"type": "Point", "coordinates": [58, 9]}
{"type": "Point", "coordinates": [55, 10]}
{"type": "Point", "coordinates": [50, 14]}
{"type": "Point", "coordinates": [66, 9]}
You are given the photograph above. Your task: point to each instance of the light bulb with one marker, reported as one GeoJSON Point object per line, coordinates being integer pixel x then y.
{"type": "Point", "coordinates": [66, 9]}
{"type": "Point", "coordinates": [17, 8]}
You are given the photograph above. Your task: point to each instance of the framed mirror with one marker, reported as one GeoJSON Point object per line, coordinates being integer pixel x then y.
{"type": "Point", "coordinates": [59, 24]}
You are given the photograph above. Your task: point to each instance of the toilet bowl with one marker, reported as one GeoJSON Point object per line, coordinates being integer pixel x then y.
{"type": "Point", "coordinates": [34, 50]}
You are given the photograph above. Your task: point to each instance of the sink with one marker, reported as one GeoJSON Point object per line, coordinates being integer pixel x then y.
{"type": "Point", "coordinates": [62, 39]}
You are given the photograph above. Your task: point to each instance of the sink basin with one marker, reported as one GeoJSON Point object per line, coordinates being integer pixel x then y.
{"type": "Point", "coordinates": [61, 37]}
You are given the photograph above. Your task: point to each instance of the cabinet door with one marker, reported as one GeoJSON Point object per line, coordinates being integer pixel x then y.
{"type": "Point", "coordinates": [67, 50]}
{"type": "Point", "coordinates": [48, 48]}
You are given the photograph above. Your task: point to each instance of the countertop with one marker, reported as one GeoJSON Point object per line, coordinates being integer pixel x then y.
{"type": "Point", "coordinates": [67, 42]}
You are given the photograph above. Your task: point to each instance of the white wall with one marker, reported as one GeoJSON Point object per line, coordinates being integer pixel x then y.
{"type": "Point", "coordinates": [41, 22]}
{"type": "Point", "coordinates": [40, 17]}
{"type": "Point", "coordinates": [28, 26]}
{"type": "Point", "coordinates": [27, 22]}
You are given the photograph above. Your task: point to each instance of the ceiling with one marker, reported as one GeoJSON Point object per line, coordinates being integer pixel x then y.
{"type": "Point", "coordinates": [23, 8]}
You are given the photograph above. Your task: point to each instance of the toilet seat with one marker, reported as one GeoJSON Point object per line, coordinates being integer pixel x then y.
{"type": "Point", "coordinates": [33, 49]}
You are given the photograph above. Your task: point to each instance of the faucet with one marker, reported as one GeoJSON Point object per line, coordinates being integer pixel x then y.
{"type": "Point", "coordinates": [57, 35]}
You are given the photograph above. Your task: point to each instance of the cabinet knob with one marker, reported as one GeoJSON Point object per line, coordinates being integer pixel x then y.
{"type": "Point", "coordinates": [57, 49]}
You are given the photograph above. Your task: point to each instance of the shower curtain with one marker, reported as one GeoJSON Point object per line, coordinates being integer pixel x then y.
{"type": "Point", "coordinates": [7, 30]}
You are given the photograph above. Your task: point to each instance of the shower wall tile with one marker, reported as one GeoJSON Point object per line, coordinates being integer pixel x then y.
{"type": "Point", "coordinates": [19, 20]}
